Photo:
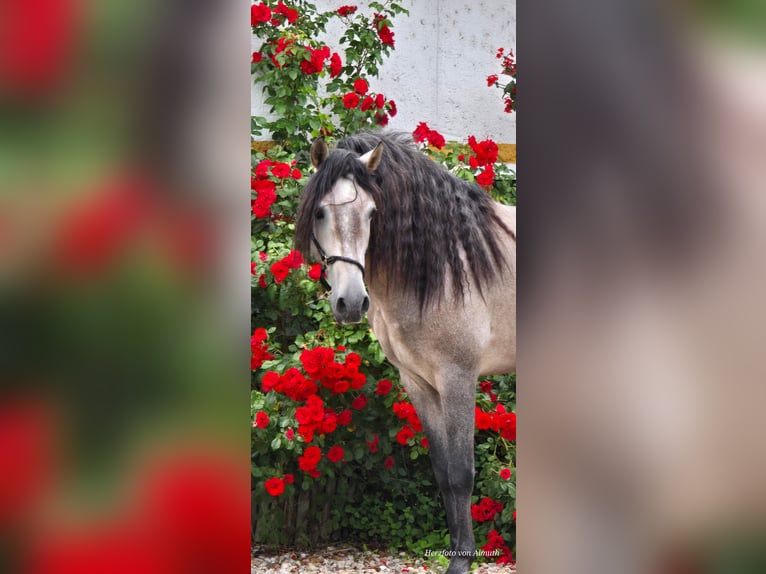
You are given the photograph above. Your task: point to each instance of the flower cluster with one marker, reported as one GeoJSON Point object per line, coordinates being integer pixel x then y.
{"type": "Point", "coordinates": [422, 133]}
{"type": "Point", "coordinates": [364, 101]}
{"type": "Point", "coordinates": [309, 460]}
{"type": "Point", "coordinates": [486, 387]}
{"type": "Point", "coordinates": [346, 10]}
{"type": "Point", "coordinates": [259, 349]}
{"type": "Point", "coordinates": [276, 486]}
{"type": "Point", "coordinates": [261, 14]}
{"type": "Point", "coordinates": [328, 390]}
{"type": "Point", "coordinates": [509, 88]}
{"type": "Point", "coordinates": [381, 24]}
{"type": "Point", "coordinates": [478, 161]}
{"type": "Point", "coordinates": [486, 509]}
{"type": "Point", "coordinates": [281, 269]}
{"type": "Point", "coordinates": [262, 420]}
{"type": "Point", "coordinates": [499, 421]}
{"type": "Point", "coordinates": [484, 157]}
{"type": "Point", "coordinates": [496, 543]}
{"type": "Point", "coordinates": [266, 177]}
{"type": "Point", "coordinates": [406, 411]}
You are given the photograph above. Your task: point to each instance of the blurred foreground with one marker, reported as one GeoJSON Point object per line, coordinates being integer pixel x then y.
{"type": "Point", "coordinates": [642, 275]}
{"type": "Point", "coordinates": [124, 401]}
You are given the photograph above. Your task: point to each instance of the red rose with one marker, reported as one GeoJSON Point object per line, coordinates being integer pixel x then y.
{"type": "Point", "coordinates": [384, 32]}
{"type": "Point", "coordinates": [259, 13]}
{"type": "Point", "coordinates": [329, 424]}
{"type": "Point", "coordinates": [316, 63]}
{"type": "Point", "coordinates": [483, 419]}
{"type": "Point", "coordinates": [359, 402]}
{"type": "Point", "coordinates": [436, 139]}
{"type": "Point", "coordinates": [491, 80]}
{"type": "Point", "coordinates": [424, 442]}
{"type": "Point", "coordinates": [388, 464]}
{"type": "Point", "coordinates": [269, 381]}
{"type": "Point", "coordinates": [508, 426]}
{"type": "Point", "coordinates": [253, 265]}
{"type": "Point", "coordinates": [289, 13]}
{"type": "Point", "coordinates": [280, 170]}
{"type": "Point", "coordinates": [309, 459]}
{"type": "Point", "coordinates": [386, 36]}
{"type": "Point", "coordinates": [335, 454]}
{"type": "Point", "coordinates": [344, 417]}
{"type": "Point", "coordinates": [351, 100]}
{"type": "Point", "coordinates": [315, 360]}
{"type": "Point", "coordinates": [346, 10]}
{"type": "Point", "coordinates": [289, 478]}
{"type": "Point", "coordinates": [358, 380]}
{"type": "Point", "coordinates": [289, 434]}
{"type": "Point", "coordinates": [275, 486]}
{"type": "Point", "coordinates": [257, 57]}
{"type": "Point", "coordinates": [296, 174]}
{"type": "Point", "coordinates": [420, 133]}
{"type": "Point", "coordinates": [505, 474]}
{"type": "Point", "coordinates": [486, 386]}
{"type": "Point", "coordinates": [315, 272]}
{"type": "Point", "coordinates": [336, 65]}
{"type": "Point", "coordinates": [360, 86]}
{"type": "Point", "coordinates": [262, 169]}
{"type": "Point", "coordinates": [367, 103]}
{"type": "Point", "coordinates": [261, 420]}
{"type": "Point", "coordinates": [380, 101]}
{"type": "Point", "coordinates": [384, 387]}
{"type": "Point", "coordinates": [340, 387]}
{"type": "Point", "coordinates": [391, 108]}
{"type": "Point", "coordinates": [486, 177]}
{"type": "Point", "coordinates": [486, 151]}
{"type": "Point", "coordinates": [404, 435]}
{"type": "Point", "coordinates": [294, 259]}
{"type": "Point", "coordinates": [381, 119]}
{"type": "Point", "coordinates": [280, 270]}
{"type": "Point", "coordinates": [373, 445]}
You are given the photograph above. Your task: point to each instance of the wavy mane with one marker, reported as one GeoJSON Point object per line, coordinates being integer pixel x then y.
{"type": "Point", "coordinates": [427, 217]}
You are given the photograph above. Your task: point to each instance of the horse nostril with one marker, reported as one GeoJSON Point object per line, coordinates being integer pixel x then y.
{"type": "Point", "coordinates": [340, 304]}
{"type": "Point", "coordinates": [365, 304]}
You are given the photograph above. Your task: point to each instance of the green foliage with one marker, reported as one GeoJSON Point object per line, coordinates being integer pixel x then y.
{"type": "Point", "coordinates": [303, 87]}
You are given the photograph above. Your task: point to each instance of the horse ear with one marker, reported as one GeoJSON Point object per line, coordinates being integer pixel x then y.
{"type": "Point", "coordinates": [319, 152]}
{"type": "Point", "coordinates": [372, 158]}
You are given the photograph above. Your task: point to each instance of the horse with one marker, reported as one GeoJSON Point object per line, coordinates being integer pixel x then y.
{"type": "Point", "coordinates": [439, 259]}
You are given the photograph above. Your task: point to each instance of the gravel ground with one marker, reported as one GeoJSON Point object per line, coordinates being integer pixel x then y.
{"type": "Point", "coordinates": [348, 559]}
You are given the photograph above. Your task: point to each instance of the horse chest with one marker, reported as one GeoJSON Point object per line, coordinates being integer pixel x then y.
{"type": "Point", "coordinates": [397, 339]}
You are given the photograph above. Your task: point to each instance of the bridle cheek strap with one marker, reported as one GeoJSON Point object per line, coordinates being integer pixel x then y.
{"type": "Point", "coordinates": [327, 261]}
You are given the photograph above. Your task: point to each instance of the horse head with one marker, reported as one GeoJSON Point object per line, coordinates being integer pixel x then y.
{"type": "Point", "coordinates": [341, 232]}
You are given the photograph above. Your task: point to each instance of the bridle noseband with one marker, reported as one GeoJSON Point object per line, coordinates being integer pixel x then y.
{"type": "Point", "coordinates": [327, 261]}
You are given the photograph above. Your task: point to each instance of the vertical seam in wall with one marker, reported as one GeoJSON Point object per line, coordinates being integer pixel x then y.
{"type": "Point", "coordinates": [438, 59]}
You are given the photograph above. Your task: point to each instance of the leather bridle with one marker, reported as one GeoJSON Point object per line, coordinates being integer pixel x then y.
{"type": "Point", "coordinates": [327, 261]}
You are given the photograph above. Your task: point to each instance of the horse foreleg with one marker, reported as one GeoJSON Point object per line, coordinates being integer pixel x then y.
{"type": "Point", "coordinates": [447, 415]}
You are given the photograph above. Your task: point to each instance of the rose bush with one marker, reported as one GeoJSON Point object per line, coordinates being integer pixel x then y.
{"type": "Point", "coordinates": [301, 77]}
{"type": "Point", "coordinates": [338, 450]}
{"type": "Point", "coordinates": [508, 68]}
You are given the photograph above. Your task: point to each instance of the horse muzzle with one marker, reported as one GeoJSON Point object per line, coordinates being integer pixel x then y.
{"type": "Point", "coordinates": [349, 308]}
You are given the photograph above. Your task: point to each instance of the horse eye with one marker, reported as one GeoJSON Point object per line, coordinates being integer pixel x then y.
{"type": "Point", "coordinates": [320, 214]}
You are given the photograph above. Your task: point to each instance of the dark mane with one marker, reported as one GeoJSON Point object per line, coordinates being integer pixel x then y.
{"type": "Point", "coordinates": [426, 215]}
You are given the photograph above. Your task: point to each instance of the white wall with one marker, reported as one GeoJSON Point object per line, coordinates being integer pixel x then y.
{"type": "Point", "coordinates": [445, 49]}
